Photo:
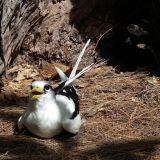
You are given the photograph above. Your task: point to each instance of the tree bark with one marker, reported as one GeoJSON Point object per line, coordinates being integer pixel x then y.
{"type": "Point", "coordinates": [17, 18]}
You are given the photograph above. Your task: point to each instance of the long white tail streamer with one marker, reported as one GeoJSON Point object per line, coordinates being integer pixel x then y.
{"type": "Point", "coordinates": [68, 81]}
{"type": "Point", "coordinates": [73, 73]}
{"type": "Point", "coordinates": [71, 80]}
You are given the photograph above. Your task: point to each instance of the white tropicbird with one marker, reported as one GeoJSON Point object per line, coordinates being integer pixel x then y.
{"type": "Point", "coordinates": [51, 110]}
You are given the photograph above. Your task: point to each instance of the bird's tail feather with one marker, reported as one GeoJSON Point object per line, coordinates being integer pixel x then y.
{"type": "Point", "coordinates": [73, 73]}
{"type": "Point", "coordinates": [73, 76]}
{"type": "Point", "coordinates": [71, 80]}
{"type": "Point", "coordinates": [61, 74]}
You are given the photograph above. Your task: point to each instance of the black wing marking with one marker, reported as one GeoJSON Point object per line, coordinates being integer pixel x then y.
{"type": "Point", "coordinates": [70, 92]}
{"type": "Point", "coordinates": [59, 88]}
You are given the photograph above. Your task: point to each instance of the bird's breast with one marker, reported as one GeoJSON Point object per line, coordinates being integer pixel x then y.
{"type": "Point", "coordinates": [44, 122]}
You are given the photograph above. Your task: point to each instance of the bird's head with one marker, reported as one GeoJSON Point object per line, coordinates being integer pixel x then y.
{"type": "Point", "coordinates": [39, 89]}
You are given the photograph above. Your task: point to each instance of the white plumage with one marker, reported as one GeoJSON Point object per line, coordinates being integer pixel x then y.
{"type": "Point", "coordinates": [51, 111]}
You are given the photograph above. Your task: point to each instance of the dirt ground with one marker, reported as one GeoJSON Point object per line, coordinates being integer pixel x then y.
{"type": "Point", "coordinates": [120, 114]}
{"type": "Point", "coordinates": [120, 110]}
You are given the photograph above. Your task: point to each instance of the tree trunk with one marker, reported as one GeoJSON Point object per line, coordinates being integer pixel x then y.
{"type": "Point", "coordinates": [17, 18]}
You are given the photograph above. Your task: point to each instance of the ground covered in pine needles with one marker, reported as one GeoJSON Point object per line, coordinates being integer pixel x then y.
{"type": "Point", "coordinates": [120, 111]}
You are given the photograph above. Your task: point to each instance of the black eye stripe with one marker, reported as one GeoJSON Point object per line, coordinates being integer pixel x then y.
{"type": "Point", "coordinates": [47, 87]}
{"type": "Point", "coordinates": [31, 87]}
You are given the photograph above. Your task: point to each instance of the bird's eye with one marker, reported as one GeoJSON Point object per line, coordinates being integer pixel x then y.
{"type": "Point", "coordinates": [31, 87]}
{"type": "Point", "coordinates": [47, 87]}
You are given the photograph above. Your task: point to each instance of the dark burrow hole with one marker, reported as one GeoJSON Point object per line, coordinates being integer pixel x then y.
{"type": "Point", "coordinates": [129, 48]}
{"type": "Point", "coordinates": [133, 42]}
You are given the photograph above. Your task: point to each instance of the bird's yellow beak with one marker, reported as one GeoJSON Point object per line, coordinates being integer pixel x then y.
{"type": "Point", "coordinates": [36, 93]}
